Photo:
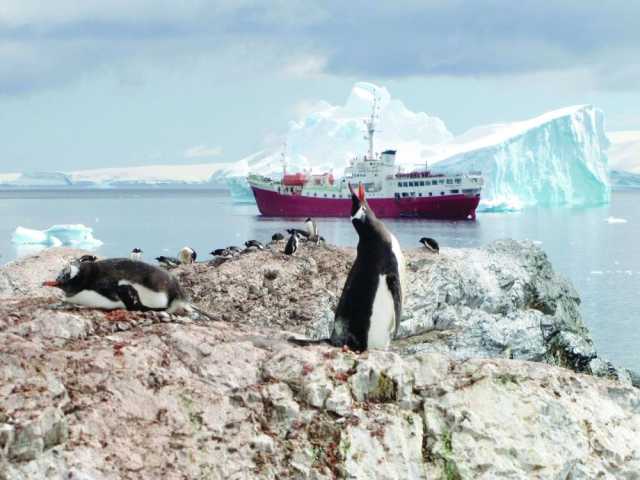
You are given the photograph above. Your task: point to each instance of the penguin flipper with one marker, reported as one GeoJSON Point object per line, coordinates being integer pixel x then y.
{"type": "Point", "coordinates": [395, 287]}
{"type": "Point", "coordinates": [130, 298]}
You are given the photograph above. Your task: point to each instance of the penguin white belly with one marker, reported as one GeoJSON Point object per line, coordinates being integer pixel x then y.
{"type": "Point", "coordinates": [397, 252]}
{"type": "Point", "coordinates": [382, 322]}
{"type": "Point", "coordinates": [149, 298]}
{"type": "Point", "coordinates": [91, 298]}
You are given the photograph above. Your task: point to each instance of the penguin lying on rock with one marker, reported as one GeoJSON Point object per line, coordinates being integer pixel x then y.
{"type": "Point", "coordinates": [121, 283]}
{"type": "Point", "coordinates": [430, 244]}
{"type": "Point", "coordinates": [370, 306]}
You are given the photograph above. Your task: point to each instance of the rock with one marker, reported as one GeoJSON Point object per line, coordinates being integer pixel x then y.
{"type": "Point", "coordinates": [175, 397]}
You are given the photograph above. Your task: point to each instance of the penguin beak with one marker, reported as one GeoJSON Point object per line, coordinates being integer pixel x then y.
{"type": "Point", "coordinates": [51, 283]}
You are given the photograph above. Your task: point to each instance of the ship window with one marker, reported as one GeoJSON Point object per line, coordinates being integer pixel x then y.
{"type": "Point", "coordinates": [397, 195]}
{"type": "Point", "coordinates": [449, 181]}
{"type": "Point", "coordinates": [411, 184]}
{"type": "Point", "coordinates": [435, 182]}
{"type": "Point", "coordinates": [419, 194]}
{"type": "Point", "coordinates": [334, 195]}
{"type": "Point", "coordinates": [413, 194]}
{"type": "Point", "coordinates": [455, 191]}
{"type": "Point", "coordinates": [405, 194]}
{"type": "Point", "coordinates": [430, 194]}
{"type": "Point", "coordinates": [315, 194]}
{"type": "Point", "coordinates": [422, 184]}
{"type": "Point", "coordinates": [441, 193]}
{"type": "Point", "coordinates": [458, 180]}
{"type": "Point", "coordinates": [399, 184]}
{"type": "Point", "coordinates": [442, 182]}
{"type": "Point", "coordinates": [325, 195]}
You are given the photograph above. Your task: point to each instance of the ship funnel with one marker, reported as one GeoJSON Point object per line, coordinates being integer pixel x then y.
{"type": "Point", "coordinates": [388, 157]}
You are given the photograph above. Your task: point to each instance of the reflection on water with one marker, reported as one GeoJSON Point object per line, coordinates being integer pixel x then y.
{"type": "Point", "coordinates": [601, 258]}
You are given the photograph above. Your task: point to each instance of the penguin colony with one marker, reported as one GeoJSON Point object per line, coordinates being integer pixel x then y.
{"type": "Point", "coordinates": [367, 315]}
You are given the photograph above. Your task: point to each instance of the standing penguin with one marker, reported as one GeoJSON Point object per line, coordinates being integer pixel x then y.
{"type": "Point", "coordinates": [370, 306]}
{"type": "Point", "coordinates": [136, 254]}
{"type": "Point", "coordinates": [120, 283]}
{"type": "Point", "coordinates": [292, 244]}
{"type": "Point", "coordinates": [312, 230]}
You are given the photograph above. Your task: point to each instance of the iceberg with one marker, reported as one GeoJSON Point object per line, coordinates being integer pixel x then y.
{"type": "Point", "coordinates": [624, 153]}
{"type": "Point", "coordinates": [558, 158]}
{"type": "Point", "coordinates": [78, 236]}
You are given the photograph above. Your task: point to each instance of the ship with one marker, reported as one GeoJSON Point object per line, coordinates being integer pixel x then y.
{"type": "Point", "coordinates": [390, 192]}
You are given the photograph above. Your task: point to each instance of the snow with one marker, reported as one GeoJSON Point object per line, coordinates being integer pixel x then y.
{"type": "Point", "coordinates": [150, 175]}
{"type": "Point", "coordinates": [624, 153]}
{"type": "Point", "coordinates": [78, 236]}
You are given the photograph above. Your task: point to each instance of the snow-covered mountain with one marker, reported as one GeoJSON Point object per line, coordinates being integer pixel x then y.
{"type": "Point", "coordinates": [151, 175]}
{"type": "Point", "coordinates": [624, 159]}
{"type": "Point", "coordinates": [624, 153]}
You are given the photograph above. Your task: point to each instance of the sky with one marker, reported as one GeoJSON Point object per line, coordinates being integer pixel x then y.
{"type": "Point", "coordinates": [95, 83]}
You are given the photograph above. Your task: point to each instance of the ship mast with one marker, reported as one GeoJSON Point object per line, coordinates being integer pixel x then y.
{"type": "Point", "coordinates": [371, 122]}
{"type": "Point", "coordinates": [283, 158]}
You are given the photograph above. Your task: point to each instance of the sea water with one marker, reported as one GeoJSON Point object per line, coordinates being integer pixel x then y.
{"type": "Point", "coordinates": [594, 247]}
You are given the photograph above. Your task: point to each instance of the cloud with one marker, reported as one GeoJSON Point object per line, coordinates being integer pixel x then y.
{"type": "Point", "coordinates": [201, 151]}
{"type": "Point", "coordinates": [44, 44]}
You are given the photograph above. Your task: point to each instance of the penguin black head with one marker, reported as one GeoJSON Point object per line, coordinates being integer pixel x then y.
{"type": "Point", "coordinates": [361, 215]}
{"type": "Point", "coordinates": [136, 250]}
{"type": "Point", "coordinates": [308, 219]}
{"type": "Point", "coordinates": [71, 278]}
{"type": "Point", "coordinates": [87, 258]}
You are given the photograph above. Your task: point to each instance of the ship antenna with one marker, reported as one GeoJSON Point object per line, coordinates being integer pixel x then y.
{"type": "Point", "coordinates": [371, 122]}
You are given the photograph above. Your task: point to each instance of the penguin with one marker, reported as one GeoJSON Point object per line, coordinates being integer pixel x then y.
{"type": "Point", "coordinates": [277, 237]}
{"type": "Point", "coordinates": [87, 258]}
{"type": "Point", "coordinates": [168, 262]}
{"type": "Point", "coordinates": [136, 254]}
{"type": "Point", "coordinates": [370, 307]}
{"type": "Point", "coordinates": [292, 244]}
{"type": "Point", "coordinates": [221, 252]}
{"type": "Point", "coordinates": [187, 255]}
{"type": "Point", "coordinates": [120, 283]}
{"type": "Point", "coordinates": [234, 250]}
{"type": "Point", "coordinates": [301, 233]}
{"type": "Point", "coordinates": [312, 230]}
{"type": "Point", "coordinates": [254, 243]}
{"type": "Point", "coordinates": [430, 244]}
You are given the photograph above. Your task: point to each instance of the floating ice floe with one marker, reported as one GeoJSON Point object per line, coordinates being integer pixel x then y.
{"type": "Point", "coordinates": [500, 204]}
{"type": "Point", "coordinates": [56, 236]}
{"type": "Point", "coordinates": [616, 220]}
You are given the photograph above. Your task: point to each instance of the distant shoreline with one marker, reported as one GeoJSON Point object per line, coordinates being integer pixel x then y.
{"type": "Point", "coordinates": [147, 190]}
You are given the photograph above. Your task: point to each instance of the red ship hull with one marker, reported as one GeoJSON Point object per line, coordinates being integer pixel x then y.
{"type": "Point", "coordinates": [449, 207]}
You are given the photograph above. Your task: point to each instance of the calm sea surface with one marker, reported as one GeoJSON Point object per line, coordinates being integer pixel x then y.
{"type": "Point", "coordinates": [602, 259]}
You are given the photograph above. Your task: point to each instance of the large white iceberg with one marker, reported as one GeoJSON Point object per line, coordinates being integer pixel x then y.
{"type": "Point", "coordinates": [558, 158]}
{"type": "Point", "coordinates": [78, 236]}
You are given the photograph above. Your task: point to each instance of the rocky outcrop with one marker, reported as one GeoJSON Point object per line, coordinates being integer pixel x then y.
{"type": "Point", "coordinates": [504, 300]}
{"type": "Point", "coordinates": [95, 395]}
